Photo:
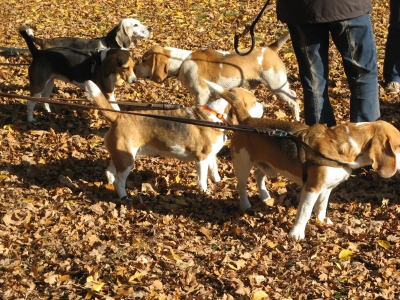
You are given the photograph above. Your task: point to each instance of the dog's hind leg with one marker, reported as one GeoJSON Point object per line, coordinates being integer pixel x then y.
{"type": "Point", "coordinates": [30, 107]}
{"type": "Point", "coordinates": [48, 89]}
{"type": "Point", "coordinates": [111, 173]}
{"type": "Point", "coordinates": [321, 205]}
{"type": "Point", "coordinates": [242, 165]}
{"type": "Point", "coordinates": [260, 179]}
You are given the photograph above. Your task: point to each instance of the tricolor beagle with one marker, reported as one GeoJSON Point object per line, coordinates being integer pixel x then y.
{"type": "Point", "coordinates": [334, 152]}
{"type": "Point", "coordinates": [228, 69]}
{"type": "Point", "coordinates": [130, 135]}
{"type": "Point", "coordinates": [76, 67]}
{"type": "Point", "coordinates": [126, 32]}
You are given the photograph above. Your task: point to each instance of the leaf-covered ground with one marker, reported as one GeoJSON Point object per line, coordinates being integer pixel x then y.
{"type": "Point", "coordinates": [65, 235]}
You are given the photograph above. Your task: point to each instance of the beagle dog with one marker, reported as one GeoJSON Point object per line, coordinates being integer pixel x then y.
{"type": "Point", "coordinates": [317, 157]}
{"type": "Point", "coordinates": [126, 32]}
{"type": "Point", "coordinates": [130, 135]}
{"type": "Point", "coordinates": [228, 69]}
{"type": "Point", "coordinates": [76, 67]}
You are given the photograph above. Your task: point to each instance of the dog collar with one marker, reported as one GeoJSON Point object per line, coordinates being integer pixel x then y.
{"type": "Point", "coordinates": [217, 114]}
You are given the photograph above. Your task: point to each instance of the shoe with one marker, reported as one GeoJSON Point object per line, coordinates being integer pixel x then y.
{"type": "Point", "coordinates": [392, 87]}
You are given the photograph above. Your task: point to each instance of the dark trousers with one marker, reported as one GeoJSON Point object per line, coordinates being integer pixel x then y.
{"type": "Point", "coordinates": [355, 41]}
{"type": "Point", "coordinates": [391, 64]}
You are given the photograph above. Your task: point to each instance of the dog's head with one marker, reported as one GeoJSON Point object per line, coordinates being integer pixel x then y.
{"type": "Point", "coordinates": [119, 61]}
{"type": "Point", "coordinates": [385, 149]}
{"type": "Point", "coordinates": [127, 31]}
{"type": "Point", "coordinates": [154, 65]}
{"type": "Point", "coordinates": [243, 102]}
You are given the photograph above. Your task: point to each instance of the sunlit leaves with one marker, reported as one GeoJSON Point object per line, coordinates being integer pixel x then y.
{"type": "Point", "coordinates": [65, 234]}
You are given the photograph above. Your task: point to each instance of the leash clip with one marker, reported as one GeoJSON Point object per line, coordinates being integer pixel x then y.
{"type": "Point", "coordinates": [279, 133]}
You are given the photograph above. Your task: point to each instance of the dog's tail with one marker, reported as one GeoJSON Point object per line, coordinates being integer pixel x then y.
{"type": "Point", "coordinates": [27, 34]}
{"type": "Point", "coordinates": [232, 97]}
{"type": "Point", "coordinates": [280, 42]}
{"type": "Point", "coordinates": [93, 92]}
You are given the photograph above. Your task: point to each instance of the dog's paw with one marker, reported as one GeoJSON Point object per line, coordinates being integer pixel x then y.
{"type": "Point", "coordinates": [324, 220]}
{"type": "Point", "coordinates": [264, 195]}
{"type": "Point", "coordinates": [244, 205]}
{"type": "Point", "coordinates": [31, 119]}
{"type": "Point", "coordinates": [215, 178]}
{"type": "Point", "coordinates": [297, 233]}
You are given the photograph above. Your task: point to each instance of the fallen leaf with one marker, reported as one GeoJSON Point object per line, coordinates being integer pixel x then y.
{"type": "Point", "coordinates": [259, 295]}
{"type": "Point", "coordinates": [384, 244]}
{"type": "Point", "coordinates": [345, 254]}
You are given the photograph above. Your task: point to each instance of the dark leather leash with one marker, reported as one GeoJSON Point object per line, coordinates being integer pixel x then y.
{"type": "Point", "coordinates": [302, 147]}
{"type": "Point", "coordinates": [134, 106]}
{"type": "Point", "coordinates": [249, 29]}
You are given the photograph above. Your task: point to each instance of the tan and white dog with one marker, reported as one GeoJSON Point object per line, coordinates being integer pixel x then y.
{"type": "Point", "coordinates": [337, 151]}
{"type": "Point", "coordinates": [76, 67]}
{"type": "Point", "coordinates": [126, 32]}
{"type": "Point", "coordinates": [130, 135]}
{"type": "Point", "coordinates": [228, 69]}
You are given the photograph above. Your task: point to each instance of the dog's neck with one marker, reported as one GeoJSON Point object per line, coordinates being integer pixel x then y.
{"type": "Point", "coordinates": [220, 106]}
{"type": "Point", "coordinates": [176, 59]}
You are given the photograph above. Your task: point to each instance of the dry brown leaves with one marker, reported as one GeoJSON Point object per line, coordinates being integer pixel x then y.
{"type": "Point", "coordinates": [64, 235]}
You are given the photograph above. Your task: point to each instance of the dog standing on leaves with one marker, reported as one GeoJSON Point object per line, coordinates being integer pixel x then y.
{"type": "Point", "coordinates": [228, 69]}
{"type": "Point", "coordinates": [76, 67]}
{"type": "Point", "coordinates": [336, 151]}
{"type": "Point", "coordinates": [130, 135]}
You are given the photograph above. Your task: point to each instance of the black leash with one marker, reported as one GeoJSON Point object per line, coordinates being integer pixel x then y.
{"type": "Point", "coordinates": [134, 106]}
{"type": "Point", "coordinates": [302, 146]}
{"type": "Point", "coordinates": [251, 30]}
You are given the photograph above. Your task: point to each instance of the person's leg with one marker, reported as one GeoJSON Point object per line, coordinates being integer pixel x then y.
{"type": "Point", "coordinates": [391, 63]}
{"type": "Point", "coordinates": [355, 41]}
{"type": "Point", "coordinates": [311, 44]}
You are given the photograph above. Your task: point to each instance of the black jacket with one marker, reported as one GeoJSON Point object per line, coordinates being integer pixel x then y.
{"type": "Point", "coordinates": [300, 12]}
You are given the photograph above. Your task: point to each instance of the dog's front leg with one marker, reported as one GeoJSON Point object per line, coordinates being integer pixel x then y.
{"type": "Point", "coordinates": [118, 179]}
{"type": "Point", "coordinates": [110, 97]}
{"type": "Point", "coordinates": [213, 170]}
{"type": "Point", "coordinates": [307, 201]}
{"type": "Point", "coordinates": [202, 170]}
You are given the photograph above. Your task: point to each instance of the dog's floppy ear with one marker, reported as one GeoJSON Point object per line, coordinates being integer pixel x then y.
{"type": "Point", "coordinates": [123, 37]}
{"type": "Point", "coordinates": [109, 64]}
{"type": "Point", "coordinates": [160, 66]}
{"type": "Point", "coordinates": [383, 156]}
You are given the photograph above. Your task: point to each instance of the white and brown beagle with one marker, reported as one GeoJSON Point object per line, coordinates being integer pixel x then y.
{"type": "Point", "coordinates": [126, 32]}
{"type": "Point", "coordinates": [334, 153]}
{"type": "Point", "coordinates": [130, 135]}
{"type": "Point", "coordinates": [228, 69]}
{"type": "Point", "coordinates": [76, 67]}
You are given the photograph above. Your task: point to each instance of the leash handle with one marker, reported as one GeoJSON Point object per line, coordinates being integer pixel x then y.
{"type": "Point", "coordinates": [249, 29]}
